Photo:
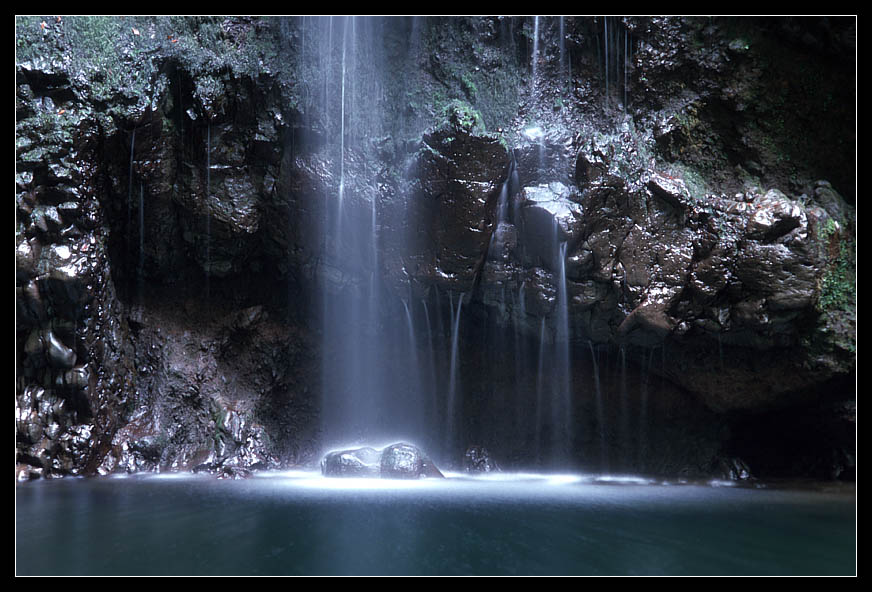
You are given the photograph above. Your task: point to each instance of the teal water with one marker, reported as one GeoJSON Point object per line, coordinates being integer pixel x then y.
{"type": "Point", "coordinates": [304, 524]}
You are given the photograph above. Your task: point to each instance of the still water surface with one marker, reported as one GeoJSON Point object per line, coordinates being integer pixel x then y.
{"type": "Point", "coordinates": [294, 523]}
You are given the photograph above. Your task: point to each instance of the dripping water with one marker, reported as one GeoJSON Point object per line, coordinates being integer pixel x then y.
{"type": "Point", "coordinates": [617, 48]}
{"type": "Point", "coordinates": [562, 49]}
{"type": "Point", "coordinates": [562, 404]}
{"type": "Point", "coordinates": [625, 404]}
{"type": "Point", "coordinates": [130, 188]}
{"type": "Point", "coordinates": [520, 354]}
{"type": "Point", "coordinates": [431, 364]}
{"type": "Point", "coordinates": [140, 275]}
{"type": "Point", "coordinates": [643, 409]}
{"type": "Point", "coordinates": [414, 373]}
{"type": "Point", "coordinates": [208, 206]}
{"type": "Point", "coordinates": [453, 373]}
{"type": "Point", "coordinates": [626, 64]}
{"type": "Point", "coordinates": [606, 55]}
{"type": "Point", "coordinates": [535, 49]}
{"type": "Point", "coordinates": [540, 390]}
{"type": "Point", "coordinates": [600, 410]}
{"type": "Point", "coordinates": [342, 131]}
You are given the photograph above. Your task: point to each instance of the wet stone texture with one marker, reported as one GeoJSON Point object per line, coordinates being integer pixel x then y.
{"type": "Point", "coordinates": [397, 461]}
{"type": "Point", "coordinates": [685, 213]}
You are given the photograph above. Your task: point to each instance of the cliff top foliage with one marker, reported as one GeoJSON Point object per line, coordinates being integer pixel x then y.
{"type": "Point", "coordinates": [115, 62]}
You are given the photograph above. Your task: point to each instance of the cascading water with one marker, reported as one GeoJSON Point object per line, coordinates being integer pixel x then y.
{"type": "Point", "coordinates": [617, 48]}
{"type": "Point", "coordinates": [140, 267]}
{"type": "Point", "coordinates": [373, 378]}
{"type": "Point", "coordinates": [643, 408]}
{"type": "Point", "coordinates": [453, 371]}
{"type": "Point", "coordinates": [540, 390]}
{"type": "Point", "coordinates": [562, 405]}
{"type": "Point", "coordinates": [386, 375]}
{"type": "Point", "coordinates": [600, 410]}
{"type": "Point", "coordinates": [208, 196]}
{"type": "Point", "coordinates": [130, 189]}
{"type": "Point", "coordinates": [535, 57]}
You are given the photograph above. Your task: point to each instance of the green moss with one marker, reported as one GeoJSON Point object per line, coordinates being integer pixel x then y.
{"type": "Point", "coordinates": [461, 114]}
{"type": "Point", "coordinates": [838, 285]}
{"type": "Point", "coordinates": [469, 87]}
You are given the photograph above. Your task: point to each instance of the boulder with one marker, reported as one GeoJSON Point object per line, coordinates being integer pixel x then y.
{"type": "Point", "coordinates": [358, 462]}
{"type": "Point", "coordinates": [397, 461]}
{"type": "Point", "coordinates": [401, 461]}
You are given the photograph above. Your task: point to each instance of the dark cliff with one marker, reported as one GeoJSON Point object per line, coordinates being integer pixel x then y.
{"type": "Point", "coordinates": [654, 215]}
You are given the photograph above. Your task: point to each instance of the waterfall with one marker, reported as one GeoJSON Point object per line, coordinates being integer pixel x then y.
{"type": "Point", "coordinates": [520, 355]}
{"type": "Point", "coordinates": [562, 406]}
{"type": "Point", "coordinates": [600, 411]}
{"type": "Point", "coordinates": [207, 207]}
{"type": "Point", "coordinates": [430, 391]}
{"type": "Point", "coordinates": [625, 405]}
{"type": "Point", "coordinates": [359, 400]}
{"type": "Point", "coordinates": [130, 188]}
{"type": "Point", "coordinates": [643, 409]}
{"type": "Point", "coordinates": [617, 49]}
{"type": "Point", "coordinates": [540, 389]}
{"type": "Point", "coordinates": [451, 407]}
{"type": "Point", "coordinates": [562, 48]}
{"type": "Point", "coordinates": [140, 269]}
{"type": "Point", "coordinates": [626, 61]}
{"type": "Point", "coordinates": [342, 128]}
{"type": "Point", "coordinates": [535, 49]}
{"type": "Point", "coordinates": [606, 46]}
{"type": "Point", "coordinates": [416, 411]}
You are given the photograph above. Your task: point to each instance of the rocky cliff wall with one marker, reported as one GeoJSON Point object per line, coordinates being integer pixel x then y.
{"type": "Point", "coordinates": [674, 195]}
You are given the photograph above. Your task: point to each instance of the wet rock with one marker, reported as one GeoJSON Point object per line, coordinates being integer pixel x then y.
{"type": "Point", "coordinates": [775, 215]}
{"type": "Point", "coordinates": [732, 469]}
{"type": "Point", "coordinates": [358, 462]}
{"type": "Point", "coordinates": [404, 461]}
{"type": "Point", "coordinates": [671, 190]}
{"type": "Point", "coordinates": [233, 472]}
{"type": "Point", "coordinates": [401, 461]}
{"type": "Point", "coordinates": [477, 459]}
{"type": "Point", "coordinates": [59, 355]}
{"type": "Point", "coordinates": [548, 217]}
{"type": "Point", "coordinates": [397, 461]}
{"type": "Point", "coordinates": [460, 169]}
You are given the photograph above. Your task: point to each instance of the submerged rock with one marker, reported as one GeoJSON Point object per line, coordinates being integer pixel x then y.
{"type": "Point", "coordinates": [397, 461]}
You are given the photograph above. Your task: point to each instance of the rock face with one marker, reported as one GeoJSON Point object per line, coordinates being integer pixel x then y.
{"type": "Point", "coordinates": [397, 461]}
{"type": "Point", "coordinates": [661, 225]}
